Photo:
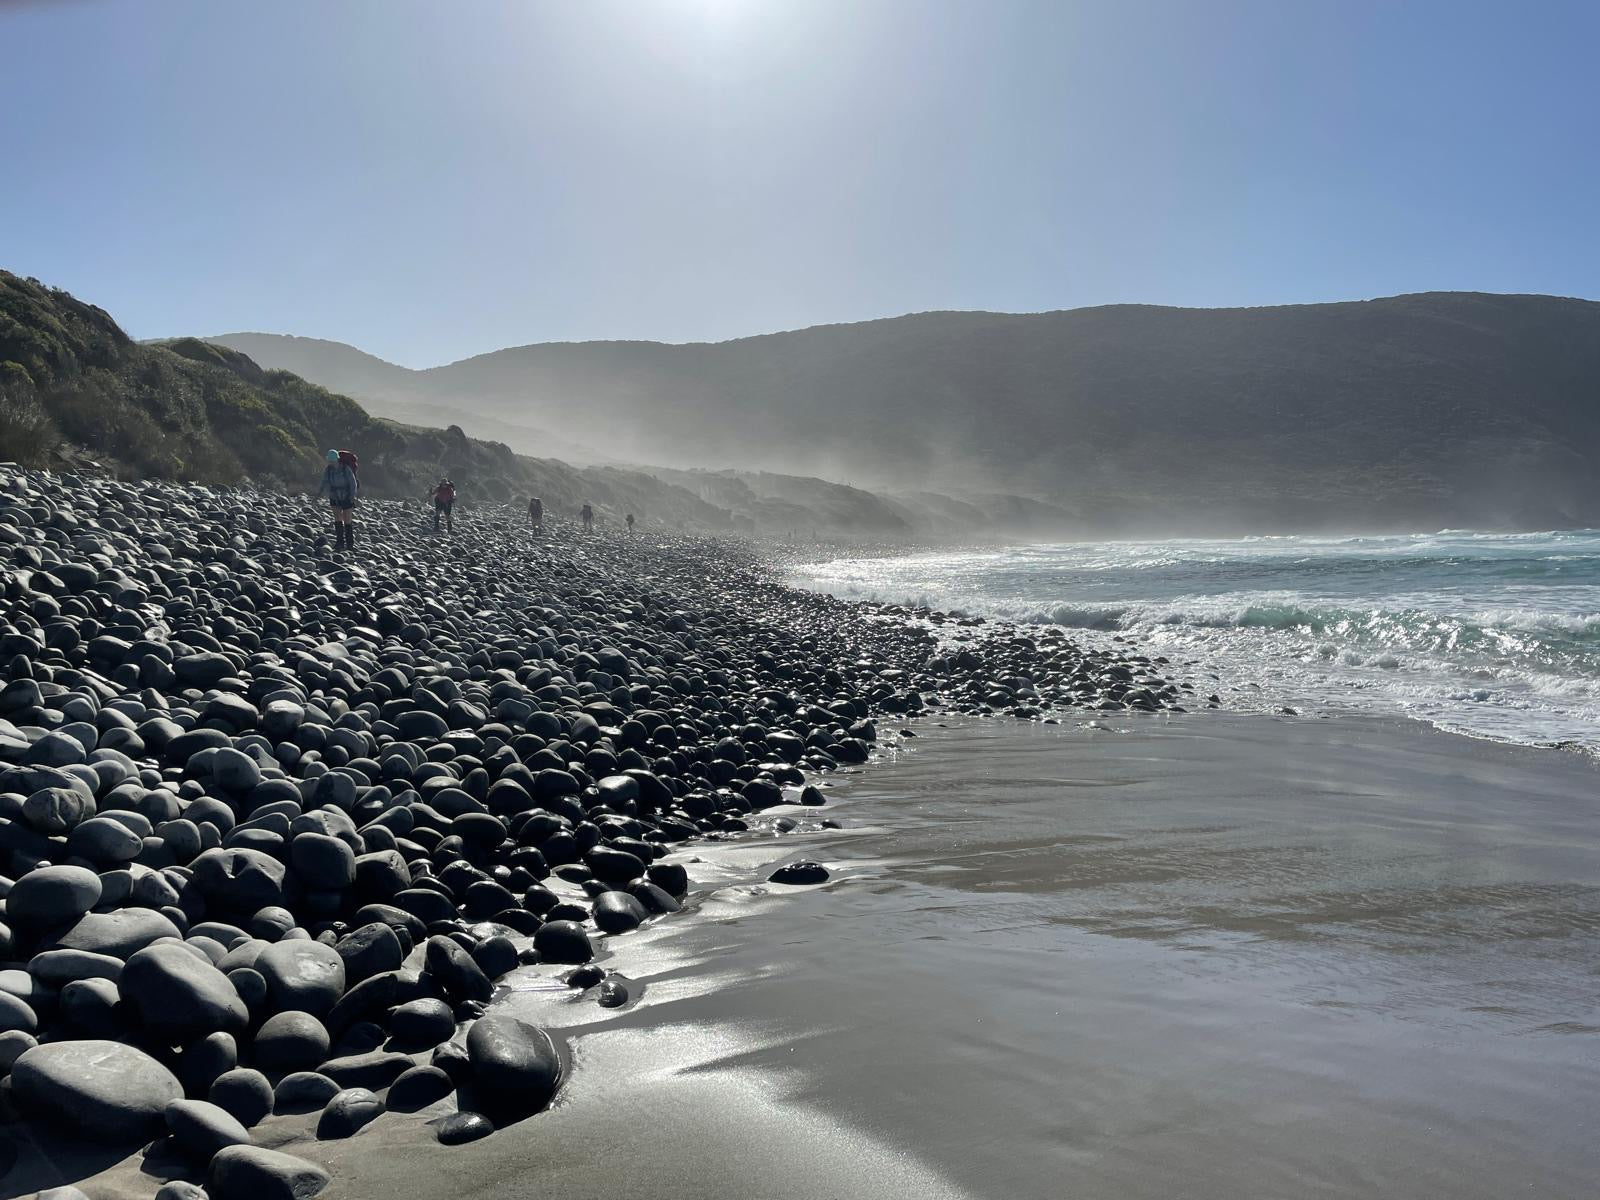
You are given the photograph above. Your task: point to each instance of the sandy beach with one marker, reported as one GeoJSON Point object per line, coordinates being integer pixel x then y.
{"type": "Point", "coordinates": [1209, 956]}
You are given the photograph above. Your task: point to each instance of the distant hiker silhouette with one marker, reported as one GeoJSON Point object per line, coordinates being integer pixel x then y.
{"type": "Point", "coordinates": [630, 522]}
{"type": "Point", "coordinates": [341, 485]}
{"type": "Point", "coordinates": [444, 500]}
{"type": "Point", "coordinates": [586, 515]}
{"type": "Point", "coordinates": [536, 514]}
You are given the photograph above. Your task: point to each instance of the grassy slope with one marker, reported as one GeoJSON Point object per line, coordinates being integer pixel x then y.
{"type": "Point", "coordinates": [189, 409]}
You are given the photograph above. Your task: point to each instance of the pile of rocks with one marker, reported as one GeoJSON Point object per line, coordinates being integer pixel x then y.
{"type": "Point", "coordinates": [274, 821]}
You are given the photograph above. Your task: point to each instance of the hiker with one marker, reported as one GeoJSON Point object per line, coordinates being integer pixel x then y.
{"type": "Point", "coordinates": [444, 499]}
{"type": "Point", "coordinates": [536, 514]}
{"type": "Point", "coordinates": [630, 523]}
{"type": "Point", "coordinates": [341, 486]}
{"type": "Point", "coordinates": [586, 515]}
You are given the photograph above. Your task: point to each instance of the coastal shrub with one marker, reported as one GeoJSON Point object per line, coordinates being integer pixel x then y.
{"type": "Point", "coordinates": [26, 433]}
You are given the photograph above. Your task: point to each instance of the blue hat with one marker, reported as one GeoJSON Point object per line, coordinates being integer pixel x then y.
{"type": "Point", "coordinates": [333, 456]}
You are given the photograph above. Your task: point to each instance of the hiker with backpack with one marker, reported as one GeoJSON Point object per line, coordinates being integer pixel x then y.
{"type": "Point", "coordinates": [341, 485]}
{"type": "Point", "coordinates": [444, 499]}
{"type": "Point", "coordinates": [586, 515]}
{"type": "Point", "coordinates": [536, 514]}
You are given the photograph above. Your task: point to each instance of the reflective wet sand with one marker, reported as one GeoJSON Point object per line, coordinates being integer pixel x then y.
{"type": "Point", "coordinates": [1217, 958]}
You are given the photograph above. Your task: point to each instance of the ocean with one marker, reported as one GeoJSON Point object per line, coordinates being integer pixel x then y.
{"type": "Point", "coordinates": [1489, 634]}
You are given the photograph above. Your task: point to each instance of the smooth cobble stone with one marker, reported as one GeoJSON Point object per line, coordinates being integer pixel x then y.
{"type": "Point", "coordinates": [303, 1091]}
{"type": "Point", "coordinates": [563, 942]}
{"type": "Point", "coordinates": [422, 1024]}
{"type": "Point", "coordinates": [201, 1129]}
{"type": "Point", "coordinates": [51, 897]}
{"type": "Point", "coordinates": [515, 1067]}
{"type": "Point", "coordinates": [302, 975]}
{"type": "Point", "coordinates": [101, 1090]}
{"type": "Point", "coordinates": [459, 1128]}
{"type": "Point", "coordinates": [180, 995]}
{"type": "Point", "coordinates": [800, 873]}
{"type": "Point", "coordinates": [254, 1173]}
{"type": "Point", "coordinates": [291, 1041]}
{"type": "Point", "coordinates": [348, 1113]}
{"type": "Point", "coordinates": [244, 1093]}
{"type": "Point", "coordinates": [419, 1087]}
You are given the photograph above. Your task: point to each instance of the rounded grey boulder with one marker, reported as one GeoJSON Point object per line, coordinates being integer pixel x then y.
{"type": "Point", "coordinates": [303, 975]}
{"type": "Point", "coordinates": [291, 1041]}
{"type": "Point", "coordinates": [55, 810]}
{"type": "Point", "coordinates": [461, 1127]}
{"type": "Point", "coordinates": [348, 1113]}
{"type": "Point", "coordinates": [178, 993]}
{"type": "Point", "coordinates": [243, 1093]}
{"type": "Point", "coordinates": [303, 1091]}
{"type": "Point", "coordinates": [103, 1090]}
{"type": "Point", "coordinates": [52, 896]}
{"type": "Point", "coordinates": [119, 934]}
{"type": "Point", "coordinates": [418, 1088]}
{"type": "Point", "coordinates": [252, 1173]}
{"type": "Point", "coordinates": [562, 942]}
{"type": "Point", "coordinates": [515, 1066]}
{"type": "Point", "coordinates": [201, 1129]}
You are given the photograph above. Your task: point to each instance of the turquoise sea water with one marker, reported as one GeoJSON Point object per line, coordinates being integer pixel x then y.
{"type": "Point", "coordinates": [1496, 635]}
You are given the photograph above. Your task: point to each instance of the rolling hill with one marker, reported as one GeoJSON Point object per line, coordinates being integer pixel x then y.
{"type": "Point", "coordinates": [1419, 411]}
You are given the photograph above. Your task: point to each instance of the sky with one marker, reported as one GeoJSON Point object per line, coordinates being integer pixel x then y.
{"type": "Point", "coordinates": [429, 181]}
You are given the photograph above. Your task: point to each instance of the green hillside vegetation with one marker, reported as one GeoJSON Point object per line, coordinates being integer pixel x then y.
{"type": "Point", "coordinates": [186, 409]}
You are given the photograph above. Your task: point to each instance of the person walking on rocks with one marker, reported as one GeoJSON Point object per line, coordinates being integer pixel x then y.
{"type": "Point", "coordinates": [586, 515]}
{"type": "Point", "coordinates": [536, 514]}
{"type": "Point", "coordinates": [444, 500]}
{"type": "Point", "coordinates": [630, 522]}
{"type": "Point", "coordinates": [341, 486]}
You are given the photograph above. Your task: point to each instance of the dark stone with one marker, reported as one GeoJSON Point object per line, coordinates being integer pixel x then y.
{"type": "Point", "coordinates": [325, 863]}
{"type": "Point", "coordinates": [376, 1069]}
{"type": "Point", "coordinates": [618, 912]}
{"type": "Point", "coordinates": [418, 1088]}
{"type": "Point", "coordinates": [461, 978]}
{"type": "Point", "coordinates": [104, 1091]}
{"type": "Point", "coordinates": [368, 951]}
{"type": "Point", "coordinates": [421, 1024]}
{"type": "Point", "coordinates": [239, 879]}
{"type": "Point", "coordinates": [303, 1091]}
{"type": "Point", "coordinates": [800, 873]}
{"type": "Point", "coordinates": [515, 1067]}
{"type": "Point", "coordinates": [179, 995]}
{"type": "Point", "coordinates": [303, 975]}
{"type": "Point", "coordinates": [201, 1129]}
{"type": "Point", "coordinates": [291, 1041]}
{"type": "Point", "coordinates": [50, 897]}
{"type": "Point", "coordinates": [253, 1173]}
{"type": "Point", "coordinates": [563, 942]}
{"type": "Point", "coordinates": [244, 1093]}
{"type": "Point", "coordinates": [461, 1127]}
{"type": "Point", "coordinates": [348, 1113]}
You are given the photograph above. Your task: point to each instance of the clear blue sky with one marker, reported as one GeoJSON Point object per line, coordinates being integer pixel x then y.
{"type": "Point", "coordinates": [433, 180]}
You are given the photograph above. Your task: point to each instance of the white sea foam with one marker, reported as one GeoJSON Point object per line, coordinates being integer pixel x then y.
{"type": "Point", "coordinates": [1493, 633]}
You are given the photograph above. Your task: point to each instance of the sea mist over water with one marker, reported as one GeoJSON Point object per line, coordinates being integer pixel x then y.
{"type": "Point", "coordinates": [1496, 635]}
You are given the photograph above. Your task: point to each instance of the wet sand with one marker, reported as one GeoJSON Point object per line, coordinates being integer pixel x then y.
{"type": "Point", "coordinates": [1208, 956]}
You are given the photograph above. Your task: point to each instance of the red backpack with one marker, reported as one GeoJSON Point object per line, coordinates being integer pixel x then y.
{"type": "Point", "coordinates": [349, 459]}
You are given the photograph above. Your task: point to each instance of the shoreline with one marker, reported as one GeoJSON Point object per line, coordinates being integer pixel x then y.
{"type": "Point", "coordinates": [466, 718]}
{"type": "Point", "coordinates": [672, 963]}
{"type": "Point", "coordinates": [773, 1022]}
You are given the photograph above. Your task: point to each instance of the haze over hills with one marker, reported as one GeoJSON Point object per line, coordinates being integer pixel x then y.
{"type": "Point", "coordinates": [76, 393]}
{"type": "Point", "coordinates": [1442, 408]}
